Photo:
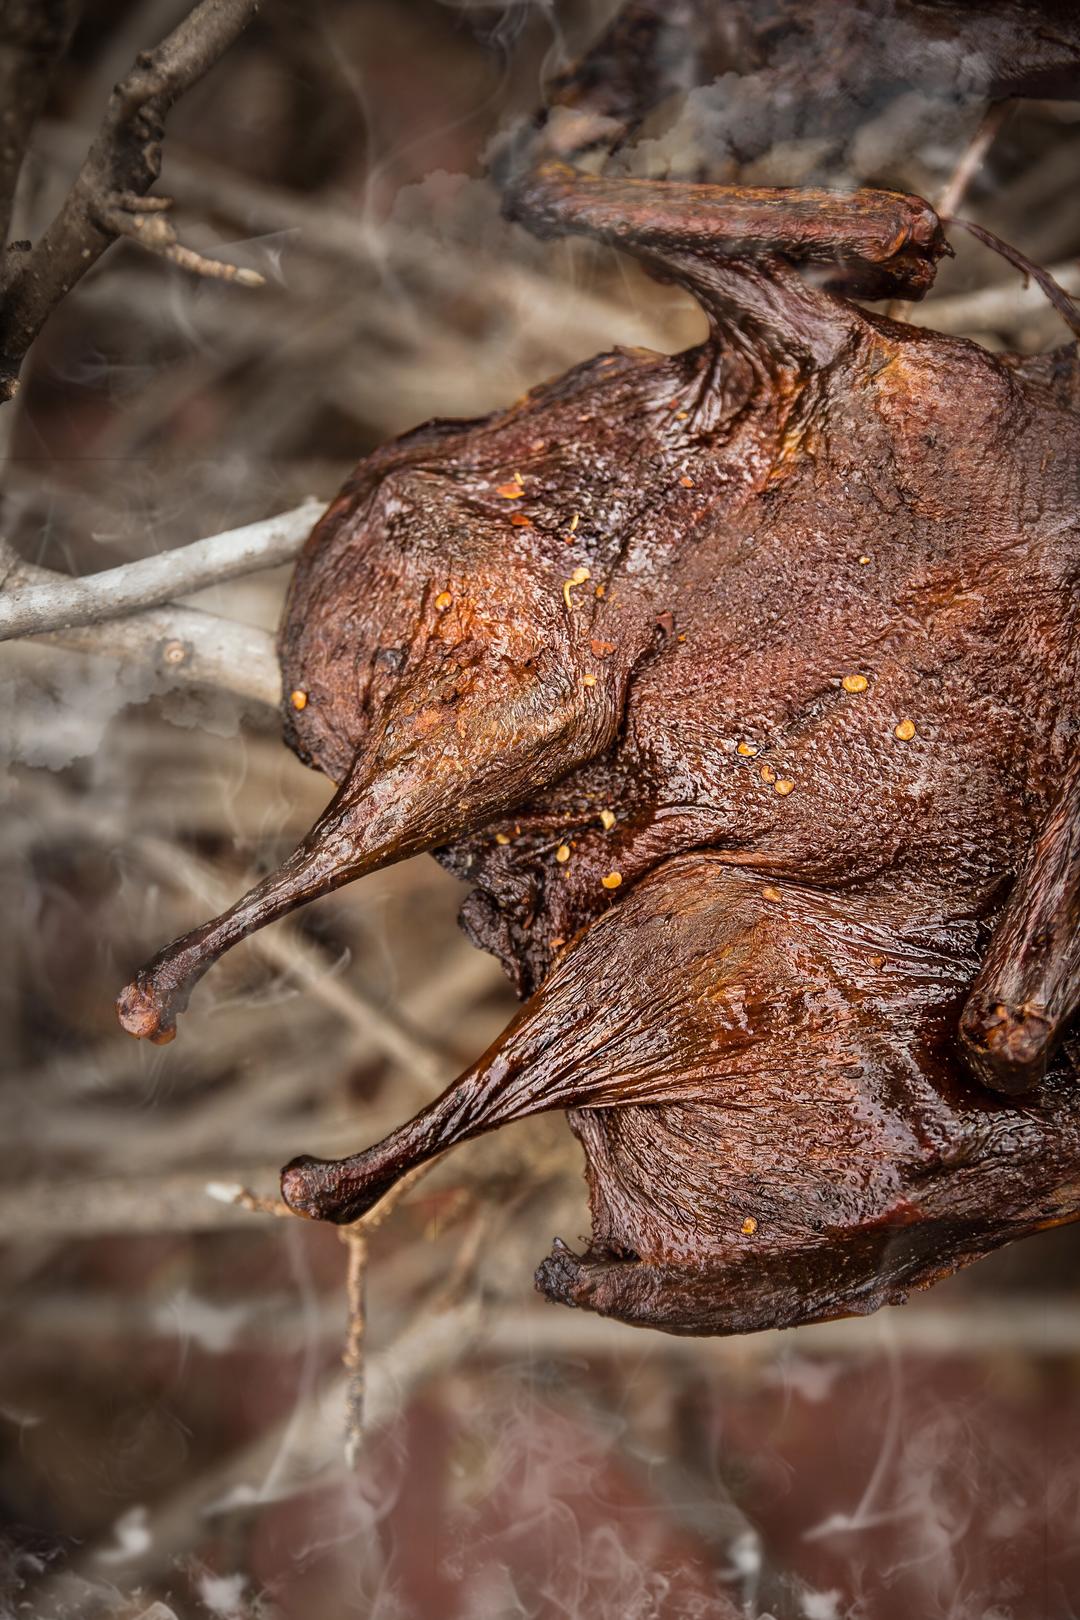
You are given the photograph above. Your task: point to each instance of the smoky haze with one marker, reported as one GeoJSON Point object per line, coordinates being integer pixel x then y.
{"type": "Point", "coordinates": [172, 1402]}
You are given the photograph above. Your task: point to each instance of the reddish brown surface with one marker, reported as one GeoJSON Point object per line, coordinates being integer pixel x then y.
{"type": "Point", "coordinates": [736, 682]}
{"type": "Point", "coordinates": [920, 1462]}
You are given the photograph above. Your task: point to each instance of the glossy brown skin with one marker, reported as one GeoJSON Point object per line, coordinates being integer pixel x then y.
{"type": "Point", "coordinates": [766, 1092]}
{"type": "Point", "coordinates": [780, 634]}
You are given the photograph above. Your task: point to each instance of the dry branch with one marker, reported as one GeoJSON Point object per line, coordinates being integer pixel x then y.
{"type": "Point", "coordinates": [123, 163]}
{"type": "Point", "coordinates": [136, 1203]}
{"type": "Point", "coordinates": [33, 36]}
{"type": "Point", "coordinates": [124, 1205]}
{"type": "Point", "coordinates": [1001, 307]}
{"type": "Point", "coordinates": [62, 604]}
{"type": "Point", "coordinates": [972, 157]}
{"type": "Point", "coordinates": [143, 220]}
{"type": "Point", "coordinates": [184, 646]}
{"type": "Point", "coordinates": [355, 1238]}
{"type": "Point", "coordinates": [970, 1325]}
{"type": "Point", "coordinates": [1057, 295]}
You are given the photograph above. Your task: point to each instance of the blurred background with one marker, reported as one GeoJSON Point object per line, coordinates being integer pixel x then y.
{"type": "Point", "coordinates": [171, 1394]}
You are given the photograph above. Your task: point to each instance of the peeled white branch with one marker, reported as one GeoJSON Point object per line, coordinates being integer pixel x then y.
{"type": "Point", "coordinates": [64, 603]}
{"type": "Point", "coordinates": [183, 645]}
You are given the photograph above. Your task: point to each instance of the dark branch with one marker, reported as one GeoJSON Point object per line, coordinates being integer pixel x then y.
{"type": "Point", "coordinates": [33, 36]}
{"type": "Point", "coordinates": [1057, 295]}
{"type": "Point", "coordinates": [123, 162]}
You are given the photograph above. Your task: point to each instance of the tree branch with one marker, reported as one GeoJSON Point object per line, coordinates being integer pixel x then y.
{"type": "Point", "coordinates": [64, 603]}
{"type": "Point", "coordinates": [124, 161]}
{"type": "Point", "coordinates": [33, 36]}
{"type": "Point", "coordinates": [97, 1205]}
{"type": "Point", "coordinates": [123, 1205]}
{"type": "Point", "coordinates": [1059, 298]}
{"type": "Point", "coordinates": [185, 646]}
{"type": "Point", "coordinates": [1001, 307]}
{"type": "Point", "coordinates": [143, 220]}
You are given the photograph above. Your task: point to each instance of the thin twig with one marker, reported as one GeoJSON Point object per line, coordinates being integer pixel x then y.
{"type": "Point", "coordinates": [998, 308]}
{"type": "Point", "coordinates": [1054, 292]}
{"type": "Point", "coordinates": [971, 159]}
{"type": "Point", "coordinates": [964, 171]}
{"type": "Point", "coordinates": [153, 580]}
{"type": "Point", "coordinates": [135, 218]}
{"type": "Point", "coordinates": [389, 1201]}
{"type": "Point", "coordinates": [355, 1239]}
{"type": "Point", "coordinates": [96, 1205]}
{"type": "Point", "coordinates": [125, 159]}
{"type": "Point", "coordinates": [241, 1197]}
{"type": "Point", "coordinates": [972, 1325]}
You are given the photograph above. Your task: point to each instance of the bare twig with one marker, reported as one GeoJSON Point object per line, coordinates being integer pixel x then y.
{"type": "Point", "coordinates": [355, 1239]}
{"type": "Point", "coordinates": [990, 309]}
{"type": "Point", "coordinates": [184, 646]}
{"type": "Point", "coordinates": [1048, 1326]}
{"type": "Point", "coordinates": [387, 1204]}
{"type": "Point", "coordinates": [964, 171]}
{"type": "Point", "coordinates": [143, 220]}
{"type": "Point", "coordinates": [124, 160]}
{"type": "Point", "coordinates": [1055, 293]}
{"type": "Point", "coordinates": [170, 1201]}
{"type": "Point", "coordinates": [187, 647]}
{"type": "Point", "coordinates": [33, 36]}
{"type": "Point", "coordinates": [153, 580]}
{"type": "Point", "coordinates": [94, 1206]}
{"type": "Point", "coordinates": [971, 159]}
{"type": "Point", "coordinates": [232, 1192]}
{"type": "Point", "coordinates": [971, 1325]}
